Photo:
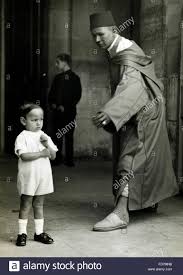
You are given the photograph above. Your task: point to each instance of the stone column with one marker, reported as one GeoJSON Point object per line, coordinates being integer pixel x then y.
{"type": "Point", "coordinates": [2, 76]}
{"type": "Point", "coordinates": [59, 31]}
{"type": "Point", "coordinates": [160, 38]}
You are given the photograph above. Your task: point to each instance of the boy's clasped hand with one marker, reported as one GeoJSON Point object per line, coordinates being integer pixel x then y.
{"type": "Point", "coordinates": [44, 141]}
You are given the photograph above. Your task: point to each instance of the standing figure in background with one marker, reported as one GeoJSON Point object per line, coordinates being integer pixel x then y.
{"type": "Point", "coordinates": [63, 97]}
{"type": "Point", "coordinates": [143, 172]}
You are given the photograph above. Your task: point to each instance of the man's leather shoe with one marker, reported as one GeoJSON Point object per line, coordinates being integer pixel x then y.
{"type": "Point", "coordinates": [111, 222]}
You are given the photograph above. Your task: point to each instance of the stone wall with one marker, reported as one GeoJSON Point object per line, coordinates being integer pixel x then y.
{"type": "Point", "coordinates": [160, 38]}
{"type": "Point", "coordinates": [2, 73]}
{"type": "Point", "coordinates": [69, 32]}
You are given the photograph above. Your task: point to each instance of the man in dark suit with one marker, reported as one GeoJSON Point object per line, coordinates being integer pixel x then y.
{"type": "Point", "coordinates": [64, 95]}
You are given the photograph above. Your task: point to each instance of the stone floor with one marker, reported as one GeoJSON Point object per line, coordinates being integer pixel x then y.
{"type": "Point", "coordinates": [82, 197]}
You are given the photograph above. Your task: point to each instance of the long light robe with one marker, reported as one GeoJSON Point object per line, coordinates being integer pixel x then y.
{"type": "Point", "coordinates": [140, 144]}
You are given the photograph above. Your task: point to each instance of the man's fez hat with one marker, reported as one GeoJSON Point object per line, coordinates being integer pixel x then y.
{"type": "Point", "coordinates": [103, 19]}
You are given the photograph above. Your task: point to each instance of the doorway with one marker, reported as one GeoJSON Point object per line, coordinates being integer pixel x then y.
{"type": "Point", "coordinates": [25, 61]}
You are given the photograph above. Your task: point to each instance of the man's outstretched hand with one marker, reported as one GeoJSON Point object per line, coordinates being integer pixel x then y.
{"type": "Point", "coordinates": [101, 119]}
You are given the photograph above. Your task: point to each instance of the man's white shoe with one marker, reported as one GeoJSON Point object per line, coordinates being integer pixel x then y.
{"type": "Point", "coordinates": [111, 222]}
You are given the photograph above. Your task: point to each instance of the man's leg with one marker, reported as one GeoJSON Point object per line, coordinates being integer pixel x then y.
{"type": "Point", "coordinates": [59, 155]}
{"type": "Point", "coordinates": [119, 218]}
{"type": "Point", "coordinates": [121, 209]}
{"type": "Point", "coordinates": [58, 137]}
{"type": "Point", "coordinates": [69, 147]}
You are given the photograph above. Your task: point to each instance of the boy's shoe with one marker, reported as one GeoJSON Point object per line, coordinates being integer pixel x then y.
{"type": "Point", "coordinates": [21, 240]}
{"type": "Point", "coordinates": [43, 238]}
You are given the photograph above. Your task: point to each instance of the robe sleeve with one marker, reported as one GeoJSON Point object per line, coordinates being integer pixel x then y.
{"type": "Point", "coordinates": [130, 96]}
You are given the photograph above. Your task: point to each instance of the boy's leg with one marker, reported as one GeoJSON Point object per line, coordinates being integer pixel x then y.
{"type": "Point", "coordinates": [25, 205]}
{"type": "Point", "coordinates": [38, 203]}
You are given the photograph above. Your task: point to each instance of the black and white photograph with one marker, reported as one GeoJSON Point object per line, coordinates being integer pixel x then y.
{"type": "Point", "coordinates": [91, 136]}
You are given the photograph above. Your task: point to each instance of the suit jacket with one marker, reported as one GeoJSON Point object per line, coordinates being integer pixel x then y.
{"type": "Point", "coordinates": [66, 91]}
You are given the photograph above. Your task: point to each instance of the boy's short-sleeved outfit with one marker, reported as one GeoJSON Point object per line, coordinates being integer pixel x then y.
{"type": "Point", "coordinates": [35, 176]}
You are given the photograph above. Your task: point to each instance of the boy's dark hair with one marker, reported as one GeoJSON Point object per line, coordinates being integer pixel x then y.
{"type": "Point", "coordinates": [65, 57]}
{"type": "Point", "coordinates": [27, 107]}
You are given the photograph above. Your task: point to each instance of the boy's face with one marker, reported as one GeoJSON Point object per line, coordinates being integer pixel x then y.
{"type": "Point", "coordinates": [59, 64]}
{"type": "Point", "coordinates": [33, 121]}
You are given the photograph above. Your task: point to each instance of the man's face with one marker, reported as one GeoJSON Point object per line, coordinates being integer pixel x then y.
{"type": "Point", "coordinates": [59, 65]}
{"type": "Point", "coordinates": [103, 36]}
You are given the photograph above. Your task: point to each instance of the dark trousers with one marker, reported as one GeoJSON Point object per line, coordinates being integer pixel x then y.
{"type": "Point", "coordinates": [60, 125]}
{"type": "Point", "coordinates": [69, 145]}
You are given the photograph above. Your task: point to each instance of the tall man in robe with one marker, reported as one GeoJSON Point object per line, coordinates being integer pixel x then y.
{"type": "Point", "coordinates": [135, 115]}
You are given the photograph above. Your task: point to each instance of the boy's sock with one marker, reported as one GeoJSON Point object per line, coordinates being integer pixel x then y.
{"type": "Point", "coordinates": [39, 223]}
{"type": "Point", "coordinates": [22, 226]}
